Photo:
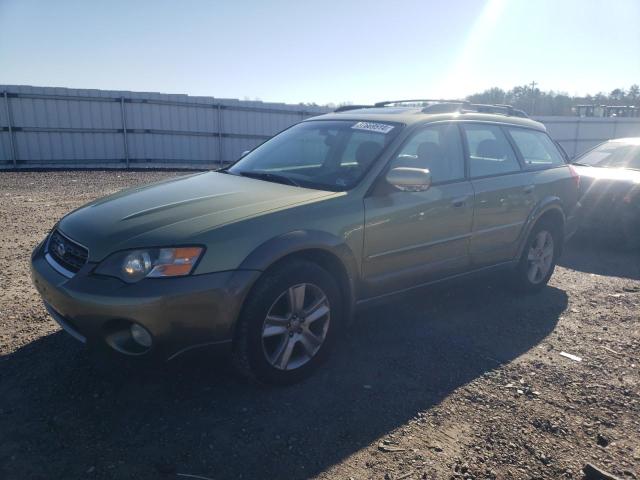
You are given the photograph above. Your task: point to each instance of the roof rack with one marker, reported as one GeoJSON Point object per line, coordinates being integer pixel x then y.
{"type": "Point", "coordinates": [445, 106]}
{"type": "Point", "coordinates": [450, 106]}
{"type": "Point", "coordinates": [346, 108]}
{"type": "Point", "coordinates": [418, 100]}
{"type": "Point", "coordinates": [500, 109]}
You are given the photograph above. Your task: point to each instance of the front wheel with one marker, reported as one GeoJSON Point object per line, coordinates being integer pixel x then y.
{"type": "Point", "coordinates": [539, 257]}
{"type": "Point", "coordinates": [288, 323]}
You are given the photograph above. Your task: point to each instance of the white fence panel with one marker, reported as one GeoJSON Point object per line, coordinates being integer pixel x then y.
{"type": "Point", "coordinates": [577, 134]}
{"type": "Point", "coordinates": [59, 127]}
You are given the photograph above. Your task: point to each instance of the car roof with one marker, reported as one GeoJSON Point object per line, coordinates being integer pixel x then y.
{"type": "Point", "coordinates": [412, 115]}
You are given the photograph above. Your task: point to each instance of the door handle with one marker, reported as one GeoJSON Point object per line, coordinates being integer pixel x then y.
{"type": "Point", "coordinates": [459, 202]}
{"type": "Point", "coordinates": [528, 189]}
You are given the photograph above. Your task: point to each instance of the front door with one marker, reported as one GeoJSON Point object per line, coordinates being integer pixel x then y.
{"type": "Point", "coordinates": [415, 237]}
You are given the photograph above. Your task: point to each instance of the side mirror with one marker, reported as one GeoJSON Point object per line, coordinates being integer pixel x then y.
{"type": "Point", "coordinates": [409, 179]}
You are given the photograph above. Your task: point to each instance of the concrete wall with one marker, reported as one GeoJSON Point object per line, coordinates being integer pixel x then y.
{"type": "Point", "coordinates": [61, 128]}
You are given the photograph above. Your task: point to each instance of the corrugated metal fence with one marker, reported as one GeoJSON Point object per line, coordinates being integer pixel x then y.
{"type": "Point", "coordinates": [578, 134]}
{"type": "Point", "coordinates": [62, 128]}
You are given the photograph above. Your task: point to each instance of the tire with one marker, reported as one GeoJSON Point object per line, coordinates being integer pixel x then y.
{"type": "Point", "coordinates": [284, 348]}
{"type": "Point", "coordinates": [526, 277]}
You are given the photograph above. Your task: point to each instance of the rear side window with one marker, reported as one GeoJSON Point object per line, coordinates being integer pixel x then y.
{"type": "Point", "coordinates": [489, 151]}
{"type": "Point", "coordinates": [437, 148]}
{"type": "Point", "coordinates": [536, 148]}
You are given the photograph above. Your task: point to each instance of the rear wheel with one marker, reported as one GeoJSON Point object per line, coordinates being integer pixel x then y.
{"type": "Point", "coordinates": [288, 323]}
{"type": "Point", "coordinates": [539, 257]}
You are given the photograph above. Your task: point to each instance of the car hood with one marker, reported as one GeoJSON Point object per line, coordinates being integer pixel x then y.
{"type": "Point", "coordinates": [175, 211]}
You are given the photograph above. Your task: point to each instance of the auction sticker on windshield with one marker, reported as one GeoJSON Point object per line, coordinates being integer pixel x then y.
{"type": "Point", "coordinates": [373, 127]}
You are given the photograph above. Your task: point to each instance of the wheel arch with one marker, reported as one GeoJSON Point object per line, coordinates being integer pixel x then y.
{"type": "Point", "coordinates": [326, 250]}
{"type": "Point", "coordinates": [551, 209]}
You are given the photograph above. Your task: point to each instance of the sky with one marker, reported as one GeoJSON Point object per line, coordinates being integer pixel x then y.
{"type": "Point", "coordinates": [327, 51]}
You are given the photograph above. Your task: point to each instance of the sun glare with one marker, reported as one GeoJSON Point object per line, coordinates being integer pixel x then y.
{"type": "Point", "coordinates": [456, 81]}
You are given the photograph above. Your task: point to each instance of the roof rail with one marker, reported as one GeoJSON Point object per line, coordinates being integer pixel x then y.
{"type": "Point", "coordinates": [346, 108]}
{"type": "Point", "coordinates": [466, 106]}
{"type": "Point", "coordinates": [500, 108]}
{"type": "Point", "coordinates": [418, 100]}
{"type": "Point", "coordinates": [445, 106]}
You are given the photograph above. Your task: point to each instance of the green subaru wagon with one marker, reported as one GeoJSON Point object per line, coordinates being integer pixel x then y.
{"type": "Point", "coordinates": [268, 259]}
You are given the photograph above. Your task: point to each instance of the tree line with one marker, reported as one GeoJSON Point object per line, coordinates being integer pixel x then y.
{"type": "Point", "coordinates": [537, 102]}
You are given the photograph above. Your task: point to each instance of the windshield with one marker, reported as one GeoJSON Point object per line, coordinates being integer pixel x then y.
{"type": "Point", "coordinates": [613, 155]}
{"type": "Point", "coordinates": [323, 154]}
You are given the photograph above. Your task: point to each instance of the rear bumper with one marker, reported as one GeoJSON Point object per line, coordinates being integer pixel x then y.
{"type": "Point", "coordinates": [180, 313]}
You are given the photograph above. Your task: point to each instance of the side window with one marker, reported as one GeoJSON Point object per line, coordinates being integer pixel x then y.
{"type": "Point", "coordinates": [536, 148]}
{"type": "Point", "coordinates": [489, 151]}
{"type": "Point", "coordinates": [437, 148]}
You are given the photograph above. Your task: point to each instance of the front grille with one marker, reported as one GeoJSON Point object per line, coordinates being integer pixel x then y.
{"type": "Point", "coordinates": [67, 253]}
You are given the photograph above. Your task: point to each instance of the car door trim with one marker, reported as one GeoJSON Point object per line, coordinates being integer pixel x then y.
{"type": "Point", "coordinates": [499, 227]}
{"type": "Point", "coordinates": [418, 246]}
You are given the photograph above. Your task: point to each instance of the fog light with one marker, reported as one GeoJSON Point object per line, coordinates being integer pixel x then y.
{"type": "Point", "coordinates": [140, 335]}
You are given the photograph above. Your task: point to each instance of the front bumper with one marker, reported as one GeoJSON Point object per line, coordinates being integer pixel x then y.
{"type": "Point", "coordinates": [180, 313]}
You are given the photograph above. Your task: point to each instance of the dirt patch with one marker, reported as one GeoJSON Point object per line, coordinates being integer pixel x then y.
{"type": "Point", "coordinates": [460, 381]}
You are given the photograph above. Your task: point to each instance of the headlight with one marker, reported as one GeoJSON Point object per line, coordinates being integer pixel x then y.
{"type": "Point", "coordinates": [134, 265]}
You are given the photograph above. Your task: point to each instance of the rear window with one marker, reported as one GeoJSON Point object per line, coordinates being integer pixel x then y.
{"type": "Point", "coordinates": [613, 155]}
{"type": "Point", "coordinates": [536, 148]}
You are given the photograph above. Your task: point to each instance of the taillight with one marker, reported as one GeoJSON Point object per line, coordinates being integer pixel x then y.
{"type": "Point", "coordinates": [575, 175]}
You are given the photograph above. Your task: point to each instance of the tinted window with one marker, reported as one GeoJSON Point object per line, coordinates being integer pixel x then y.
{"type": "Point", "coordinates": [536, 148]}
{"type": "Point", "coordinates": [437, 148]}
{"type": "Point", "coordinates": [489, 151]}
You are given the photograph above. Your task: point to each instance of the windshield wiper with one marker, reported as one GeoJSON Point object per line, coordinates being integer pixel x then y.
{"type": "Point", "coordinates": [270, 177]}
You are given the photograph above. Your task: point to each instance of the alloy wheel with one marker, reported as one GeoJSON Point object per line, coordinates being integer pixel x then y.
{"type": "Point", "coordinates": [296, 326]}
{"type": "Point", "coordinates": [540, 257]}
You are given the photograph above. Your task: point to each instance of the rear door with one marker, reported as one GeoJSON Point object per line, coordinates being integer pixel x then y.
{"type": "Point", "coordinates": [550, 174]}
{"type": "Point", "coordinates": [416, 237]}
{"type": "Point", "coordinates": [505, 194]}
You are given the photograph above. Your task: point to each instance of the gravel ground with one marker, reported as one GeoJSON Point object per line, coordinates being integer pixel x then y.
{"type": "Point", "coordinates": [458, 381]}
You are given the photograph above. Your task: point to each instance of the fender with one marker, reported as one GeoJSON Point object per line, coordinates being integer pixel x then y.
{"type": "Point", "coordinates": [544, 206]}
{"type": "Point", "coordinates": [289, 243]}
